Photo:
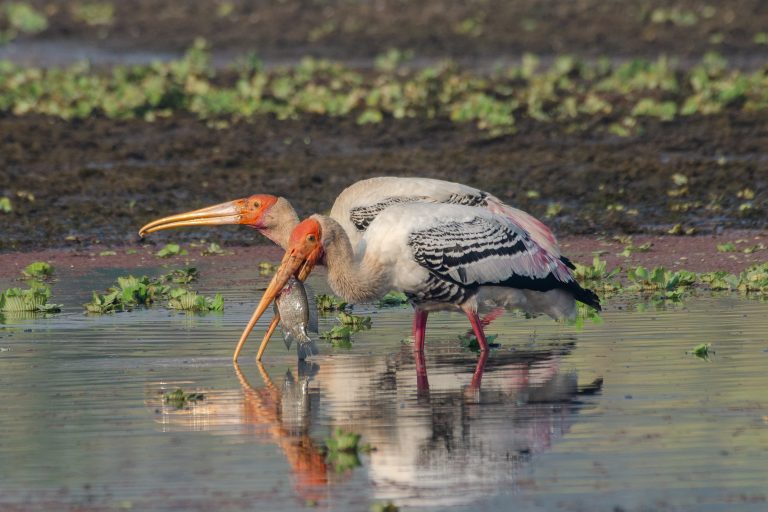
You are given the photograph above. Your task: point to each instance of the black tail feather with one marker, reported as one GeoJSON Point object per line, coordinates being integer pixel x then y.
{"type": "Point", "coordinates": [568, 263]}
{"type": "Point", "coordinates": [586, 296]}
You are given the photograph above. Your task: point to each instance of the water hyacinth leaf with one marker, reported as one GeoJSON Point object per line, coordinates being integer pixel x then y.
{"type": "Point", "coordinates": [180, 399]}
{"type": "Point", "coordinates": [38, 270]}
{"type": "Point", "coordinates": [170, 250]}
{"type": "Point", "coordinates": [393, 299]}
{"type": "Point", "coordinates": [34, 299]}
{"type": "Point", "coordinates": [356, 322]}
{"type": "Point", "coordinates": [329, 303]}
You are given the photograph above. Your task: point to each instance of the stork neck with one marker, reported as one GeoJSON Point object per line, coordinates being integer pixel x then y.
{"type": "Point", "coordinates": [355, 278]}
{"type": "Point", "coordinates": [282, 220]}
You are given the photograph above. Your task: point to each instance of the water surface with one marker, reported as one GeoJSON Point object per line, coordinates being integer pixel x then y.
{"type": "Point", "coordinates": [84, 423]}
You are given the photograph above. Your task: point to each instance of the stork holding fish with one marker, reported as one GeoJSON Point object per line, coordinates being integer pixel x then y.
{"type": "Point", "coordinates": [354, 210]}
{"type": "Point", "coordinates": [442, 256]}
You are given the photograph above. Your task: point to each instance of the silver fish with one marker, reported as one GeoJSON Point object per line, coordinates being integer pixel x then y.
{"type": "Point", "coordinates": [298, 315]}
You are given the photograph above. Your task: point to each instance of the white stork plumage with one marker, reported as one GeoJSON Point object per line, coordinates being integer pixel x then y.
{"type": "Point", "coordinates": [442, 256]}
{"type": "Point", "coordinates": [355, 209]}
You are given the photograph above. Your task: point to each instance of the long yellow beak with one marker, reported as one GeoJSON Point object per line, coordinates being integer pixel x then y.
{"type": "Point", "coordinates": [231, 212]}
{"type": "Point", "coordinates": [295, 262]}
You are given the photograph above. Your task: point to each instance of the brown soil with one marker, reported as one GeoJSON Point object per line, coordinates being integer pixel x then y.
{"type": "Point", "coordinates": [99, 180]}
{"type": "Point", "coordinates": [479, 28]}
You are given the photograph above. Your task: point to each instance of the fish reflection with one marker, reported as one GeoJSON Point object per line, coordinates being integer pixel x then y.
{"type": "Point", "coordinates": [448, 443]}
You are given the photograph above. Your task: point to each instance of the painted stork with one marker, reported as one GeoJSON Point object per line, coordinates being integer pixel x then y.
{"type": "Point", "coordinates": [442, 256]}
{"type": "Point", "coordinates": [354, 209]}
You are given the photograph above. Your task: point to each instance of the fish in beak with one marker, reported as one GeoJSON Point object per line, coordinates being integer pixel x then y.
{"type": "Point", "coordinates": [303, 253]}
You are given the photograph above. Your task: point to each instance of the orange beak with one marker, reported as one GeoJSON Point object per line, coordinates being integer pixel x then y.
{"type": "Point", "coordinates": [232, 212]}
{"type": "Point", "coordinates": [299, 260]}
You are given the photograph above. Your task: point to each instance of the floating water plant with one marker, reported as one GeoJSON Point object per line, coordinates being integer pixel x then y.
{"type": "Point", "coordinates": [702, 350]}
{"type": "Point", "coordinates": [266, 268]}
{"type": "Point", "coordinates": [623, 95]}
{"type": "Point", "coordinates": [393, 299]}
{"type": "Point", "coordinates": [5, 205]}
{"type": "Point", "coordinates": [340, 336]}
{"type": "Point", "coordinates": [212, 249]}
{"type": "Point", "coordinates": [170, 250]}
{"type": "Point", "coordinates": [342, 450]}
{"type": "Point", "coordinates": [38, 270]}
{"type": "Point", "coordinates": [131, 291]}
{"type": "Point", "coordinates": [34, 299]}
{"type": "Point", "coordinates": [660, 278]}
{"type": "Point", "coordinates": [180, 276]}
{"type": "Point", "coordinates": [180, 399]}
{"type": "Point", "coordinates": [329, 303]}
{"type": "Point", "coordinates": [186, 300]}
{"type": "Point", "coordinates": [469, 341]}
{"type": "Point", "coordinates": [355, 322]}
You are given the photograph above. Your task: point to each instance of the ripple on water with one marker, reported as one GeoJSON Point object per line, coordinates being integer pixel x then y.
{"type": "Point", "coordinates": [85, 422]}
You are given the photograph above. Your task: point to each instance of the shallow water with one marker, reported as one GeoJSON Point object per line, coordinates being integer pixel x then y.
{"type": "Point", "coordinates": [84, 423]}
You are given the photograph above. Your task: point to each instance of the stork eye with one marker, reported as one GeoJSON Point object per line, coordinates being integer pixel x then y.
{"type": "Point", "coordinates": [311, 238]}
{"type": "Point", "coordinates": [256, 204]}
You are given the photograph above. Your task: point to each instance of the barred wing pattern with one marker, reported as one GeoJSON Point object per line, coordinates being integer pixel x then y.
{"type": "Point", "coordinates": [362, 216]}
{"type": "Point", "coordinates": [462, 256]}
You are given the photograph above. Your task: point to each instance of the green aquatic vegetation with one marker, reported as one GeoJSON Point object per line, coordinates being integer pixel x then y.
{"type": "Point", "coordinates": [181, 399]}
{"type": "Point", "coordinates": [266, 268]}
{"type": "Point", "coordinates": [393, 299]}
{"type": "Point", "coordinates": [212, 249]}
{"type": "Point", "coordinates": [105, 303]}
{"type": "Point", "coordinates": [585, 313]}
{"type": "Point", "coordinates": [38, 270]}
{"type": "Point", "coordinates": [21, 18]}
{"type": "Point", "coordinates": [339, 336]}
{"type": "Point", "coordinates": [130, 291]}
{"type": "Point", "coordinates": [660, 279]}
{"type": "Point", "coordinates": [702, 350]}
{"type": "Point", "coordinates": [469, 341]}
{"type": "Point", "coordinates": [664, 110]}
{"type": "Point", "coordinates": [726, 247]}
{"type": "Point", "coordinates": [170, 250]}
{"type": "Point", "coordinates": [355, 322]}
{"type": "Point", "coordinates": [678, 16]}
{"type": "Point", "coordinates": [568, 89]}
{"type": "Point", "coordinates": [342, 450]}
{"type": "Point", "coordinates": [597, 272]}
{"type": "Point", "coordinates": [327, 303]}
{"type": "Point", "coordinates": [187, 300]}
{"type": "Point", "coordinates": [719, 280]}
{"type": "Point", "coordinates": [384, 507]}
{"type": "Point", "coordinates": [33, 299]}
{"type": "Point", "coordinates": [630, 249]}
{"type": "Point", "coordinates": [93, 13]}
{"type": "Point", "coordinates": [5, 205]}
{"type": "Point", "coordinates": [107, 253]}
{"type": "Point", "coordinates": [180, 276]}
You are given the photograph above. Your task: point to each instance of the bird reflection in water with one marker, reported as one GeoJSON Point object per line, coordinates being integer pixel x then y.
{"type": "Point", "coordinates": [441, 441]}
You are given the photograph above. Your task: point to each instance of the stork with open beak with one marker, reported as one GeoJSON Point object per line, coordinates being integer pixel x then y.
{"type": "Point", "coordinates": [354, 210]}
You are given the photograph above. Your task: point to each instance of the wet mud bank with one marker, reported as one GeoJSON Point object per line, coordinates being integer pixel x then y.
{"type": "Point", "coordinates": [78, 183]}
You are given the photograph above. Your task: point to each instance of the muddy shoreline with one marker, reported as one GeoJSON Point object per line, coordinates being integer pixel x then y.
{"type": "Point", "coordinates": [694, 253]}
{"type": "Point", "coordinates": [340, 29]}
{"type": "Point", "coordinates": [96, 181]}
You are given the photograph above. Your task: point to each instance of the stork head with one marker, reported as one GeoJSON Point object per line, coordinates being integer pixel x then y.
{"type": "Point", "coordinates": [304, 250]}
{"type": "Point", "coordinates": [264, 212]}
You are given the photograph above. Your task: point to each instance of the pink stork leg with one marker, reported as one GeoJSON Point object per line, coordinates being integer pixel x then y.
{"type": "Point", "coordinates": [477, 327]}
{"type": "Point", "coordinates": [419, 329]}
{"type": "Point", "coordinates": [419, 333]}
